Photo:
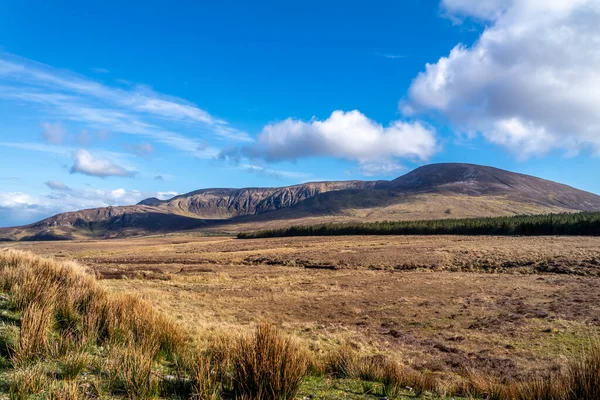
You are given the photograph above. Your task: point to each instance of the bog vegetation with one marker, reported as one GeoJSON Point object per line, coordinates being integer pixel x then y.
{"type": "Point", "coordinates": [583, 223]}
{"type": "Point", "coordinates": [63, 336]}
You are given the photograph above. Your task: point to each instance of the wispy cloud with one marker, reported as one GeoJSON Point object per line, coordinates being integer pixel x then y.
{"type": "Point", "coordinates": [53, 133]}
{"type": "Point", "coordinates": [100, 70]}
{"type": "Point", "coordinates": [135, 110]}
{"type": "Point", "coordinates": [41, 147]}
{"type": "Point", "coordinates": [392, 56]}
{"type": "Point", "coordinates": [140, 150]}
{"type": "Point", "coordinates": [57, 185]}
{"type": "Point", "coordinates": [62, 150]}
{"type": "Point", "coordinates": [274, 173]}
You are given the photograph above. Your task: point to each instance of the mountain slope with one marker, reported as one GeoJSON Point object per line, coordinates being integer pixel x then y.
{"type": "Point", "coordinates": [432, 191]}
{"type": "Point", "coordinates": [476, 180]}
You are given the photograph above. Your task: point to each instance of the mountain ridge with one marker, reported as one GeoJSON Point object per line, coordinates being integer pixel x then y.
{"type": "Point", "coordinates": [443, 190]}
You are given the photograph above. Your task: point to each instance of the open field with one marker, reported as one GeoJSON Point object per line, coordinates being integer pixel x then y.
{"type": "Point", "coordinates": [509, 306]}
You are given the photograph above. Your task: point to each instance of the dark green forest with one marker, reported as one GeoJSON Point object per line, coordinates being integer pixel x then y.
{"type": "Point", "coordinates": [583, 223]}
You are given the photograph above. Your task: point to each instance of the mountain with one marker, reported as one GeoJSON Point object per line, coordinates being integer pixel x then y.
{"type": "Point", "coordinates": [447, 190]}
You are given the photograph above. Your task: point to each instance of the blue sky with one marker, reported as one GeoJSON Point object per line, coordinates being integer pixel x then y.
{"type": "Point", "coordinates": [107, 103]}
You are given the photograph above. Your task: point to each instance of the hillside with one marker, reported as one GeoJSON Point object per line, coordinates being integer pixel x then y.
{"type": "Point", "coordinates": [432, 191]}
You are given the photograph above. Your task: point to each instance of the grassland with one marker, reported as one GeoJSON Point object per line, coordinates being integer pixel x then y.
{"type": "Point", "coordinates": [509, 308]}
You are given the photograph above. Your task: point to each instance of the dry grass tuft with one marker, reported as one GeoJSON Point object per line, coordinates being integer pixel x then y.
{"type": "Point", "coordinates": [129, 371]}
{"type": "Point", "coordinates": [73, 363]}
{"type": "Point", "coordinates": [580, 380]}
{"type": "Point", "coordinates": [267, 365]}
{"type": "Point", "coordinates": [583, 375]}
{"type": "Point", "coordinates": [396, 378]}
{"type": "Point", "coordinates": [36, 325]}
{"type": "Point", "coordinates": [343, 362]}
{"type": "Point", "coordinates": [207, 380]}
{"type": "Point", "coordinates": [84, 313]}
{"type": "Point", "coordinates": [27, 381]}
{"type": "Point", "coordinates": [66, 390]}
{"type": "Point", "coordinates": [65, 312]}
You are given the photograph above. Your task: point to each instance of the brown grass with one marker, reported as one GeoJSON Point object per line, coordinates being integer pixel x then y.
{"type": "Point", "coordinates": [83, 313]}
{"type": "Point", "coordinates": [74, 362]}
{"type": "Point", "coordinates": [579, 380]}
{"type": "Point", "coordinates": [343, 362]}
{"type": "Point", "coordinates": [29, 380]}
{"type": "Point", "coordinates": [267, 365]}
{"type": "Point", "coordinates": [346, 362]}
{"type": "Point", "coordinates": [129, 370]}
{"type": "Point", "coordinates": [35, 330]}
{"type": "Point", "coordinates": [61, 297]}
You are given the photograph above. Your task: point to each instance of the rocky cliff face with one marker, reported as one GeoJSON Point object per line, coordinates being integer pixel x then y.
{"type": "Point", "coordinates": [231, 203]}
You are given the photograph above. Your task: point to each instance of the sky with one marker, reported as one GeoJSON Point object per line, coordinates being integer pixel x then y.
{"type": "Point", "coordinates": [107, 103]}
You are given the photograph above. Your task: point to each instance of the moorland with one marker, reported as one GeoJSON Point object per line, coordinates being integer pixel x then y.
{"type": "Point", "coordinates": [450, 308]}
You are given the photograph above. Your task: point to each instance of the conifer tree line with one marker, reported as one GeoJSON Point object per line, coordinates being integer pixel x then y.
{"type": "Point", "coordinates": [583, 223]}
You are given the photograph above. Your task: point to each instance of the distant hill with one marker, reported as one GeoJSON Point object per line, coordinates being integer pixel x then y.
{"type": "Point", "coordinates": [433, 191]}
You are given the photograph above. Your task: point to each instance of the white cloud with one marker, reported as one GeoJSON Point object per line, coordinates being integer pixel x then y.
{"type": "Point", "coordinates": [53, 133]}
{"type": "Point", "coordinates": [15, 199]}
{"type": "Point", "coordinates": [85, 163]}
{"type": "Point", "coordinates": [485, 10]}
{"type": "Point", "coordinates": [528, 83]}
{"type": "Point", "coordinates": [57, 185]}
{"type": "Point", "coordinates": [347, 135]}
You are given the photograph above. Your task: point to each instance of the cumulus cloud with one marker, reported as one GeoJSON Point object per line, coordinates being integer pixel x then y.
{"type": "Point", "coordinates": [53, 133]}
{"type": "Point", "coordinates": [85, 163]}
{"type": "Point", "coordinates": [347, 135]}
{"type": "Point", "coordinates": [528, 83]}
{"type": "Point", "coordinates": [57, 185]}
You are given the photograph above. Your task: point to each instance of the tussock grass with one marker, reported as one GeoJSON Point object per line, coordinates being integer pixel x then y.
{"type": "Point", "coordinates": [346, 362]}
{"type": "Point", "coordinates": [65, 312]}
{"type": "Point", "coordinates": [61, 294]}
{"type": "Point", "coordinates": [36, 325]}
{"type": "Point", "coordinates": [212, 373]}
{"type": "Point", "coordinates": [343, 362]}
{"type": "Point", "coordinates": [73, 363]}
{"type": "Point", "coordinates": [129, 371]}
{"type": "Point", "coordinates": [579, 380]}
{"type": "Point", "coordinates": [268, 365]}
{"type": "Point", "coordinates": [27, 381]}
